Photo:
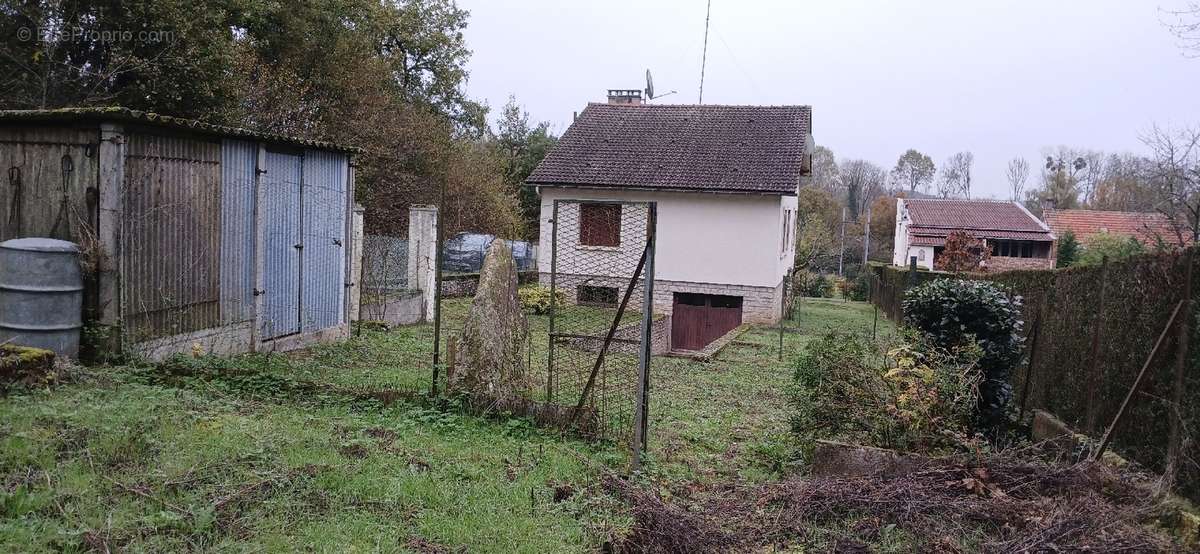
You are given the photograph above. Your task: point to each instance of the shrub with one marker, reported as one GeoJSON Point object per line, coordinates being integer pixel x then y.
{"type": "Point", "coordinates": [537, 299]}
{"type": "Point", "coordinates": [1114, 246]}
{"type": "Point", "coordinates": [962, 252]}
{"type": "Point", "coordinates": [955, 313]}
{"type": "Point", "coordinates": [923, 399]}
{"type": "Point", "coordinates": [1068, 249]}
{"type": "Point", "coordinates": [807, 283]}
{"type": "Point", "coordinates": [859, 287]}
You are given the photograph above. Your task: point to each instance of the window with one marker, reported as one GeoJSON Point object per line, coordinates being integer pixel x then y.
{"type": "Point", "coordinates": [596, 296]}
{"type": "Point", "coordinates": [786, 233]}
{"type": "Point", "coordinates": [600, 224]}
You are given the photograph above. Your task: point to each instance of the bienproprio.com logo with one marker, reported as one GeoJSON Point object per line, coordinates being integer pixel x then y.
{"type": "Point", "coordinates": [80, 34]}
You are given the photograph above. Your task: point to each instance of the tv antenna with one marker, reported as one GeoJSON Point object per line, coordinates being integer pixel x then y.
{"type": "Point", "coordinates": [704, 55]}
{"type": "Point", "coordinates": [650, 88]}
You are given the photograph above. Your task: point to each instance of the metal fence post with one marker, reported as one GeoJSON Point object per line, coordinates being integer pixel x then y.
{"type": "Point", "coordinates": [437, 288]}
{"type": "Point", "coordinates": [553, 302]}
{"type": "Point", "coordinates": [641, 409]}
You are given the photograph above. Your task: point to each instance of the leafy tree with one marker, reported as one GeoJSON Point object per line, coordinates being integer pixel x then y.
{"type": "Point", "coordinates": [521, 148]}
{"type": "Point", "coordinates": [863, 181]}
{"type": "Point", "coordinates": [169, 56]}
{"type": "Point", "coordinates": [914, 170]}
{"type": "Point", "coordinates": [962, 252]}
{"type": "Point", "coordinates": [1068, 249]}
{"type": "Point", "coordinates": [1111, 245]}
{"type": "Point", "coordinates": [883, 228]}
{"type": "Point", "coordinates": [825, 170]}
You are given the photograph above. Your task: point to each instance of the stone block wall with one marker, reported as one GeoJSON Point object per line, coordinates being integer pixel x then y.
{"type": "Point", "coordinates": [760, 305]}
{"type": "Point", "coordinates": [997, 264]}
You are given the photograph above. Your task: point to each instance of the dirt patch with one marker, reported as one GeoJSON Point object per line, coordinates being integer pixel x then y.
{"type": "Point", "coordinates": [995, 506]}
{"type": "Point", "coordinates": [425, 546]}
{"type": "Point", "coordinates": [354, 451]}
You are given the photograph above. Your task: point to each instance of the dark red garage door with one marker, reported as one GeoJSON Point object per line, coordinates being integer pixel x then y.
{"type": "Point", "coordinates": [699, 319]}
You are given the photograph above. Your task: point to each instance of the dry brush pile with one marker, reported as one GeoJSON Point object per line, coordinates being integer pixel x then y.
{"type": "Point", "coordinates": [1005, 503]}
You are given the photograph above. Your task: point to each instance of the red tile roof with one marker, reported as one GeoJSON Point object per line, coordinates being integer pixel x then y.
{"type": "Point", "coordinates": [1084, 224]}
{"type": "Point", "coordinates": [931, 220]}
{"type": "Point", "coordinates": [757, 149]}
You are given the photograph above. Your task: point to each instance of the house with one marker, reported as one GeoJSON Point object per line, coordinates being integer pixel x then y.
{"type": "Point", "coordinates": [1017, 239]}
{"type": "Point", "coordinates": [724, 180]}
{"type": "Point", "coordinates": [193, 234]}
{"type": "Point", "coordinates": [1147, 228]}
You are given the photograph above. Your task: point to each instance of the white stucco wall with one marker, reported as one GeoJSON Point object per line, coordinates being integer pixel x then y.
{"type": "Point", "coordinates": [903, 251]}
{"type": "Point", "coordinates": [900, 246]}
{"type": "Point", "coordinates": [704, 238]}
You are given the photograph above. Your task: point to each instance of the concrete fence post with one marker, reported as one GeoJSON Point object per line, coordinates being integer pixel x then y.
{"type": "Point", "coordinates": [356, 261]}
{"type": "Point", "coordinates": [422, 254]}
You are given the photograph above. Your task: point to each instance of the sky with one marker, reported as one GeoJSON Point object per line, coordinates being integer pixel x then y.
{"type": "Point", "coordinates": [999, 79]}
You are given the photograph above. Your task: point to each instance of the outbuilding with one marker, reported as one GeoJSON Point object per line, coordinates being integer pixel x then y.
{"type": "Point", "coordinates": [193, 236]}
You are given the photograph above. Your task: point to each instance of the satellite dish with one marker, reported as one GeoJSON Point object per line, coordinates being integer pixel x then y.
{"type": "Point", "coordinates": [650, 88]}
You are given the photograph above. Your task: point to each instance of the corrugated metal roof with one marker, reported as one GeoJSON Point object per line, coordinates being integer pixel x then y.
{"type": "Point", "coordinates": [752, 149]}
{"type": "Point", "coordinates": [119, 114]}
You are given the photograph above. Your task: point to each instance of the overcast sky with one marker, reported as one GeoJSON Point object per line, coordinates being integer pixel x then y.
{"type": "Point", "coordinates": [1000, 79]}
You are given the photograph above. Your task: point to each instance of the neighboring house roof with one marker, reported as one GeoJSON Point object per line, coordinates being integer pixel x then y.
{"type": "Point", "coordinates": [1084, 224]}
{"type": "Point", "coordinates": [709, 148]}
{"type": "Point", "coordinates": [126, 115]}
{"type": "Point", "coordinates": [932, 220]}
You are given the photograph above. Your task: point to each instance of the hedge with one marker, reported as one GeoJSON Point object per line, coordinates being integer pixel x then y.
{"type": "Point", "coordinates": [1127, 303]}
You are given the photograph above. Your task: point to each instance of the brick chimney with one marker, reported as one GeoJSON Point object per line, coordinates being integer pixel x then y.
{"type": "Point", "coordinates": [1047, 204]}
{"type": "Point", "coordinates": [625, 96]}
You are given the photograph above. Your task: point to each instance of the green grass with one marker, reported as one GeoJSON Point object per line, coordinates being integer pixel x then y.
{"type": "Point", "coordinates": [271, 453]}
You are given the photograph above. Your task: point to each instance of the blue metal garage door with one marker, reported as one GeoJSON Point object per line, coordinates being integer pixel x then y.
{"type": "Point", "coordinates": [282, 244]}
{"type": "Point", "coordinates": [324, 256]}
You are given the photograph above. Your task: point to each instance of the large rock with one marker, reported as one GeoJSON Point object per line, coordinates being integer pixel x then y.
{"type": "Point", "coordinates": [490, 361]}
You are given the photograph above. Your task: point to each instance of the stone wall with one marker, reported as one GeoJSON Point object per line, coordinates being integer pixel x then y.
{"type": "Point", "coordinates": [997, 264]}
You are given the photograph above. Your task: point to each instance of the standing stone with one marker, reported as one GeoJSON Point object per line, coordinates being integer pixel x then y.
{"type": "Point", "coordinates": [490, 361]}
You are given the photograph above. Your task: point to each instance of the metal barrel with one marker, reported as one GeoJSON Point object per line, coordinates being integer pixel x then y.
{"type": "Point", "coordinates": [41, 294]}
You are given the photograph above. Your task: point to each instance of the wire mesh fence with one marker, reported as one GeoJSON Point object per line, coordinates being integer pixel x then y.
{"type": "Point", "coordinates": [599, 328]}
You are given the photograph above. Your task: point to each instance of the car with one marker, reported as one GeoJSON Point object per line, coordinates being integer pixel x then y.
{"type": "Point", "coordinates": [464, 252]}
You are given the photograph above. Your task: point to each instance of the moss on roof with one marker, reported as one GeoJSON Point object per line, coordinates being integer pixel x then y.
{"type": "Point", "coordinates": [119, 114]}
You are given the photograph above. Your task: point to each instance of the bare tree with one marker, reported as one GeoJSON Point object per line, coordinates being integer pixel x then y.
{"type": "Point", "coordinates": [1185, 25]}
{"type": "Point", "coordinates": [955, 179]}
{"type": "Point", "coordinates": [913, 170]}
{"type": "Point", "coordinates": [1175, 176]}
{"type": "Point", "coordinates": [1018, 172]}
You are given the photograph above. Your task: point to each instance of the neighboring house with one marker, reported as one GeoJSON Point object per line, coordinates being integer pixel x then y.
{"type": "Point", "coordinates": [1017, 239]}
{"type": "Point", "coordinates": [725, 180]}
{"type": "Point", "coordinates": [1147, 228]}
